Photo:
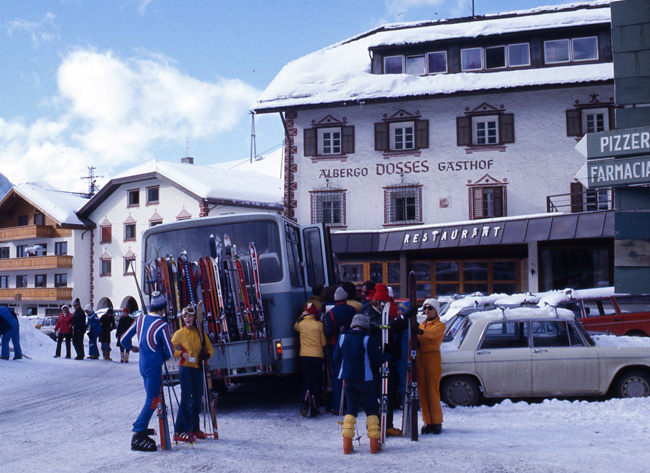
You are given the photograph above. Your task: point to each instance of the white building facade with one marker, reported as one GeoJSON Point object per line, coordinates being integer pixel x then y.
{"type": "Point", "coordinates": [456, 127]}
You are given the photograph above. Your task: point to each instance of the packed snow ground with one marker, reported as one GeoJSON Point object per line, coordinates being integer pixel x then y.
{"type": "Point", "coordinates": [67, 415]}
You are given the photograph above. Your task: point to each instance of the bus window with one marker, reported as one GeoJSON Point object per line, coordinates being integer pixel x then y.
{"type": "Point", "coordinates": [314, 256]}
{"type": "Point", "coordinates": [293, 255]}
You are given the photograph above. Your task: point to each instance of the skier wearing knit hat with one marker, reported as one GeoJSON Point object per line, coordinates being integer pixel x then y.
{"type": "Point", "coordinates": [155, 347]}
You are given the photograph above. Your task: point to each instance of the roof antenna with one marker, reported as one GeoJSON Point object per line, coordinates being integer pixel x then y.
{"type": "Point", "coordinates": [92, 185]}
{"type": "Point", "coordinates": [253, 139]}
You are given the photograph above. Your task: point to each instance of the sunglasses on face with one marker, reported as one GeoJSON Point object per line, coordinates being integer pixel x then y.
{"type": "Point", "coordinates": [427, 307]}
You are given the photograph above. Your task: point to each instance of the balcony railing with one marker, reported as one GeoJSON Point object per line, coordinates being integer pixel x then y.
{"type": "Point", "coordinates": [36, 262]}
{"type": "Point", "coordinates": [25, 232]}
{"type": "Point", "coordinates": [588, 200]}
{"type": "Point", "coordinates": [36, 294]}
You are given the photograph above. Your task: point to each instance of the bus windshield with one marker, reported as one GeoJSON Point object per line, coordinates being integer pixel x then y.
{"type": "Point", "coordinates": [196, 241]}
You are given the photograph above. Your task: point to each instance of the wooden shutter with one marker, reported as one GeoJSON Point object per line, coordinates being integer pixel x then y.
{"type": "Point", "coordinates": [463, 131]}
{"type": "Point", "coordinates": [310, 142]}
{"type": "Point", "coordinates": [507, 128]}
{"type": "Point", "coordinates": [348, 139]}
{"type": "Point", "coordinates": [106, 234]}
{"type": "Point", "coordinates": [612, 118]}
{"type": "Point", "coordinates": [421, 134]}
{"type": "Point", "coordinates": [573, 122]}
{"type": "Point", "coordinates": [477, 202]}
{"type": "Point", "coordinates": [381, 137]}
{"type": "Point", "coordinates": [576, 197]}
{"type": "Point", "coordinates": [498, 201]}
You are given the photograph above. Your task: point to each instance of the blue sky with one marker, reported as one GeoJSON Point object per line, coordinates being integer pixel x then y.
{"type": "Point", "coordinates": [112, 83]}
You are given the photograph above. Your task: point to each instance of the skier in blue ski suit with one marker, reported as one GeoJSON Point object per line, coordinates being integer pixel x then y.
{"type": "Point", "coordinates": [94, 328]}
{"type": "Point", "coordinates": [10, 330]}
{"type": "Point", "coordinates": [155, 347]}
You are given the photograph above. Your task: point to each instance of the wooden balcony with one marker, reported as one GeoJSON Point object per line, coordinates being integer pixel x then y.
{"type": "Point", "coordinates": [25, 232]}
{"type": "Point", "coordinates": [36, 262]}
{"type": "Point", "coordinates": [36, 294]}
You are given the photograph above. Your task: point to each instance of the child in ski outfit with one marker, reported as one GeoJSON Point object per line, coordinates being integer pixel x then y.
{"type": "Point", "coordinates": [155, 347]}
{"type": "Point", "coordinates": [356, 352]}
{"type": "Point", "coordinates": [312, 342]}
{"type": "Point", "coordinates": [192, 353]}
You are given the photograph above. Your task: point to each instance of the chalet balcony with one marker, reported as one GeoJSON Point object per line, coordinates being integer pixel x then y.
{"type": "Point", "coordinates": [589, 200]}
{"type": "Point", "coordinates": [25, 232]}
{"type": "Point", "coordinates": [36, 262]}
{"type": "Point", "coordinates": [36, 294]}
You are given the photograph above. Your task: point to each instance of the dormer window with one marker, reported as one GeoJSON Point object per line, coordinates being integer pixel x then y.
{"type": "Point", "coordinates": [415, 65]}
{"type": "Point", "coordinates": [437, 62]}
{"type": "Point", "coordinates": [495, 57]}
{"type": "Point", "coordinates": [559, 51]}
{"type": "Point", "coordinates": [393, 64]}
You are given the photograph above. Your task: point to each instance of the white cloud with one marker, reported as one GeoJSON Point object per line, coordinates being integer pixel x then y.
{"type": "Point", "coordinates": [113, 111]}
{"type": "Point", "coordinates": [36, 30]}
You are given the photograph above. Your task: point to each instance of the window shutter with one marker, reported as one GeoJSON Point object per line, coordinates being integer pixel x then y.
{"type": "Point", "coordinates": [576, 197]}
{"type": "Point", "coordinates": [463, 131]}
{"type": "Point", "coordinates": [612, 118]}
{"type": "Point", "coordinates": [477, 209]}
{"type": "Point", "coordinates": [348, 139]}
{"type": "Point", "coordinates": [421, 134]}
{"type": "Point", "coordinates": [498, 201]}
{"type": "Point", "coordinates": [310, 141]}
{"type": "Point", "coordinates": [573, 122]}
{"type": "Point", "coordinates": [507, 128]}
{"type": "Point", "coordinates": [381, 136]}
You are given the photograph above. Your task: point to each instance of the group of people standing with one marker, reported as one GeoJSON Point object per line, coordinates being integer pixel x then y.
{"type": "Point", "coordinates": [73, 326]}
{"type": "Point", "coordinates": [344, 340]}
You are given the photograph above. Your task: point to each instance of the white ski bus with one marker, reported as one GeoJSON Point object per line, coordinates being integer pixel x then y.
{"type": "Point", "coordinates": [292, 259]}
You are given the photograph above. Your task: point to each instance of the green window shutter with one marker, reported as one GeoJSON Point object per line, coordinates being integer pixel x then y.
{"type": "Point", "coordinates": [463, 131]}
{"type": "Point", "coordinates": [421, 134]}
{"type": "Point", "coordinates": [498, 201]}
{"type": "Point", "coordinates": [310, 141]}
{"type": "Point", "coordinates": [507, 128]}
{"type": "Point", "coordinates": [348, 139]}
{"type": "Point", "coordinates": [612, 118]}
{"type": "Point", "coordinates": [574, 122]}
{"type": "Point", "coordinates": [381, 136]}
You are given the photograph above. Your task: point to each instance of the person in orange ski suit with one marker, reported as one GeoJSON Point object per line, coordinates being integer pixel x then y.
{"type": "Point", "coordinates": [430, 335]}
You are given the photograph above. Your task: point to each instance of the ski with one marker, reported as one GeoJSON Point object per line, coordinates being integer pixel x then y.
{"type": "Point", "coordinates": [165, 439]}
{"type": "Point", "coordinates": [258, 306]}
{"type": "Point", "coordinates": [233, 292]}
{"type": "Point", "coordinates": [208, 299]}
{"type": "Point", "coordinates": [209, 403]}
{"type": "Point", "coordinates": [413, 338]}
{"type": "Point", "coordinates": [384, 371]}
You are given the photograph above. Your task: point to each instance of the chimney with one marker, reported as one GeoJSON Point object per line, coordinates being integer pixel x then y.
{"type": "Point", "coordinates": [187, 160]}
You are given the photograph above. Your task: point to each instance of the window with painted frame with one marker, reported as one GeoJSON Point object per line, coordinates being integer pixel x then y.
{"type": "Point", "coordinates": [329, 141]}
{"type": "Point", "coordinates": [403, 205]}
{"type": "Point", "coordinates": [328, 207]}
{"type": "Point", "coordinates": [133, 198]}
{"type": "Point", "coordinates": [129, 231]}
{"type": "Point", "coordinates": [129, 264]}
{"type": "Point", "coordinates": [487, 201]}
{"type": "Point", "coordinates": [106, 267]}
{"type": "Point", "coordinates": [591, 117]}
{"type": "Point", "coordinates": [106, 234]}
{"type": "Point", "coordinates": [402, 132]}
{"type": "Point", "coordinates": [153, 195]}
{"type": "Point", "coordinates": [485, 127]}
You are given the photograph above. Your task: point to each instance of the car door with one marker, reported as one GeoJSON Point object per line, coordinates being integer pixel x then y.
{"type": "Point", "coordinates": [600, 316]}
{"type": "Point", "coordinates": [503, 359]}
{"type": "Point", "coordinates": [562, 362]}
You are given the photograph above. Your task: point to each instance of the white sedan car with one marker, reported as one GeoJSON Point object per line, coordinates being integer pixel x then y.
{"type": "Point", "coordinates": [534, 352]}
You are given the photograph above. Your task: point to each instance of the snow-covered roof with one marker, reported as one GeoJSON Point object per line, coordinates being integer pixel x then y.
{"type": "Point", "coordinates": [269, 164]}
{"type": "Point", "coordinates": [214, 182]}
{"type": "Point", "coordinates": [341, 72]}
{"type": "Point", "coordinates": [59, 205]}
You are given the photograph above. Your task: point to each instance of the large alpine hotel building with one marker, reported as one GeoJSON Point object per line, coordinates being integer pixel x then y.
{"type": "Point", "coordinates": [447, 147]}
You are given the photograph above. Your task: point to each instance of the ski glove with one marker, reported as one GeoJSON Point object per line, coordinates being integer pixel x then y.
{"type": "Point", "coordinates": [204, 355]}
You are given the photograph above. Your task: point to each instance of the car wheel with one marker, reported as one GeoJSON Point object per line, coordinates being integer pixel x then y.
{"type": "Point", "coordinates": [633, 384]}
{"type": "Point", "coordinates": [636, 333]}
{"type": "Point", "coordinates": [460, 391]}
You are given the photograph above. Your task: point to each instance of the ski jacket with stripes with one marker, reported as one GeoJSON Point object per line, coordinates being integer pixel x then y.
{"type": "Point", "coordinates": [154, 341]}
{"type": "Point", "coordinates": [357, 353]}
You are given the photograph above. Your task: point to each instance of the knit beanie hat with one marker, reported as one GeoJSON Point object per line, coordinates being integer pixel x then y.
{"type": "Point", "coordinates": [158, 302]}
{"type": "Point", "coordinates": [433, 303]}
{"type": "Point", "coordinates": [360, 321]}
{"type": "Point", "coordinates": [310, 309]}
{"type": "Point", "coordinates": [340, 294]}
{"type": "Point", "coordinates": [381, 293]}
{"type": "Point", "coordinates": [88, 308]}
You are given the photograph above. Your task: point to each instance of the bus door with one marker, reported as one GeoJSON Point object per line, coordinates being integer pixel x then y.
{"type": "Point", "coordinates": [318, 256]}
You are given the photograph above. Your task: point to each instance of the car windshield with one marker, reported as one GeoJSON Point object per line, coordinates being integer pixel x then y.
{"type": "Point", "coordinates": [456, 330]}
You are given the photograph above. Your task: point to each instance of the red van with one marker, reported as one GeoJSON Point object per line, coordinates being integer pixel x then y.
{"type": "Point", "coordinates": [619, 314]}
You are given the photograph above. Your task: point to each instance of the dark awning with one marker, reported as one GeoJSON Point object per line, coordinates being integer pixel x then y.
{"type": "Point", "coordinates": [505, 231]}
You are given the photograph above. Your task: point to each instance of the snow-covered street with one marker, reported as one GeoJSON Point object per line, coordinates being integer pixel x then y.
{"type": "Point", "coordinates": [66, 415]}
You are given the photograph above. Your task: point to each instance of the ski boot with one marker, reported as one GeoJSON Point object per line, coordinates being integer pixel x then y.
{"type": "Point", "coordinates": [142, 442]}
{"type": "Point", "coordinates": [373, 433]}
{"type": "Point", "coordinates": [200, 435]}
{"type": "Point", "coordinates": [126, 357]}
{"type": "Point", "coordinates": [184, 437]}
{"type": "Point", "coordinates": [349, 421]}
